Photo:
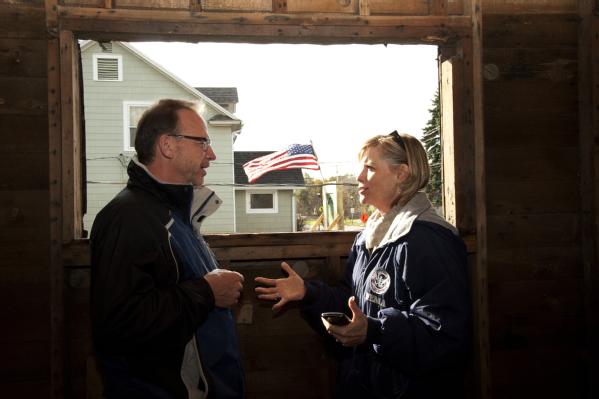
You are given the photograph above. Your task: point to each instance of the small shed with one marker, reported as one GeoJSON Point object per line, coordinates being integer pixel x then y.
{"type": "Point", "coordinates": [268, 204]}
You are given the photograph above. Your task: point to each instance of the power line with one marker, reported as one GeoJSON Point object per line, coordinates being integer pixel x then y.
{"type": "Point", "coordinates": [241, 185]}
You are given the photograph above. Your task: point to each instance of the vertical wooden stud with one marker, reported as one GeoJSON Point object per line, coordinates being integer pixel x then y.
{"type": "Point", "coordinates": [55, 187]}
{"type": "Point", "coordinates": [588, 94]}
{"type": "Point", "coordinates": [480, 294]}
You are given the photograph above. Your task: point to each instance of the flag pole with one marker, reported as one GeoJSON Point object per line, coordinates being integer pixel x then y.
{"type": "Point", "coordinates": [319, 167]}
{"type": "Point", "coordinates": [322, 192]}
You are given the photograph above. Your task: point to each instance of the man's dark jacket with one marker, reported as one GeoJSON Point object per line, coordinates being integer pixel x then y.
{"type": "Point", "coordinates": [147, 301]}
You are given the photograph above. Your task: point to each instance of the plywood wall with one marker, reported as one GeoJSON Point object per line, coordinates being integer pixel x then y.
{"type": "Point", "coordinates": [24, 221]}
{"type": "Point", "coordinates": [536, 295]}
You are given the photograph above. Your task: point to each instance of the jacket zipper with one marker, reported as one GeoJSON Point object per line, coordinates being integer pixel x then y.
{"type": "Point", "coordinates": [169, 224]}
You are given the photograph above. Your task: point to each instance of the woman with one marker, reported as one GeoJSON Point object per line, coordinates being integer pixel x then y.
{"type": "Point", "coordinates": [405, 286]}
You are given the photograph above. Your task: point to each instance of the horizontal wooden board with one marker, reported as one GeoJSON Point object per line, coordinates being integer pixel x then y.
{"type": "Point", "coordinates": [154, 4]}
{"type": "Point", "coordinates": [538, 165]}
{"type": "Point", "coordinates": [521, 130]}
{"type": "Point", "coordinates": [541, 299]}
{"type": "Point", "coordinates": [530, 96]}
{"type": "Point", "coordinates": [535, 263]}
{"type": "Point", "coordinates": [520, 197]}
{"type": "Point", "coordinates": [236, 5]}
{"type": "Point", "coordinates": [528, 6]}
{"type": "Point", "coordinates": [557, 65]}
{"type": "Point", "coordinates": [530, 31]}
{"type": "Point", "coordinates": [535, 372]}
{"type": "Point", "coordinates": [23, 133]}
{"type": "Point", "coordinates": [33, 175]}
{"type": "Point", "coordinates": [29, 3]}
{"type": "Point", "coordinates": [19, 21]}
{"type": "Point", "coordinates": [281, 252]}
{"type": "Point", "coordinates": [20, 57]}
{"type": "Point", "coordinates": [23, 95]}
{"type": "Point", "coordinates": [414, 7]}
{"type": "Point", "coordinates": [85, 3]}
{"type": "Point", "coordinates": [126, 24]}
{"type": "Point", "coordinates": [531, 313]}
{"type": "Point", "coordinates": [23, 208]}
{"type": "Point", "coordinates": [531, 231]}
{"type": "Point", "coordinates": [27, 318]}
{"type": "Point", "coordinates": [271, 239]}
{"type": "Point", "coordinates": [336, 6]}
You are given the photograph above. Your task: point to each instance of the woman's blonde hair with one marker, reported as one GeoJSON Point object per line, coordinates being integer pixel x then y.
{"type": "Point", "coordinates": [399, 149]}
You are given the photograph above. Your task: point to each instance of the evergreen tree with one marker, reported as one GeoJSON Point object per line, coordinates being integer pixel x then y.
{"type": "Point", "coordinates": [431, 137]}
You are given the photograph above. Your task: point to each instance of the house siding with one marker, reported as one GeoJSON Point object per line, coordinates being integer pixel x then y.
{"type": "Point", "coordinates": [104, 118]}
{"type": "Point", "coordinates": [264, 222]}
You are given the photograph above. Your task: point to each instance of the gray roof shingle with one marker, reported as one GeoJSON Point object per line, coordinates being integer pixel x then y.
{"type": "Point", "coordinates": [220, 95]}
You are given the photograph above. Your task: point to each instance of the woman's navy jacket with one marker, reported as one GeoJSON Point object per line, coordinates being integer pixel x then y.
{"type": "Point", "coordinates": [414, 290]}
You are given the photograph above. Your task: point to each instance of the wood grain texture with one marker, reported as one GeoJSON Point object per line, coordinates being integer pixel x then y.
{"type": "Point", "coordinates": [237, 5]}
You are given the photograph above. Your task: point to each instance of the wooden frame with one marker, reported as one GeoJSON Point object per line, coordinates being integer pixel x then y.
{"type": "Point", "coordinates": [457, 32]}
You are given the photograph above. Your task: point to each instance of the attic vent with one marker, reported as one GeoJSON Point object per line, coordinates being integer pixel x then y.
{"type": "Point", "coordinates": [108, 67]}
{"type": "Point", "coordinates": [106, 47]}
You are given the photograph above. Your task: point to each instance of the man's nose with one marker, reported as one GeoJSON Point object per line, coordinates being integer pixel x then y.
{"type": "Point", "coordinates": [210, 153]}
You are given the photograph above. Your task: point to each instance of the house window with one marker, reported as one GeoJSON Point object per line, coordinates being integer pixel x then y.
{"type": "Point", "coordinates": [261, 202]}
{"type": "Point", "coordinates": [108, 67]}
{"type": "Point", "coordinates": [132, 112]}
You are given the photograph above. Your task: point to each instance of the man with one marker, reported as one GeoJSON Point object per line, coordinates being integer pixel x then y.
{"type": "Point", "coordinates": [161, 322]}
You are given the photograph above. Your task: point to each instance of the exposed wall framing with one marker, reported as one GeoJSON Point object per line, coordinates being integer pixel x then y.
{"type": "Point", "coordinates": [454, 25]}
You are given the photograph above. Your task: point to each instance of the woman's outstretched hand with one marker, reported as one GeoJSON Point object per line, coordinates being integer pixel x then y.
{"type": "Point", "coordinates": [354, 333]}
{"type": "Point", "coordinates": [282, 290]}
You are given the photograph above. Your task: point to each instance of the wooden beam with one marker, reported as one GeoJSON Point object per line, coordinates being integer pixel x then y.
{"type": "Point", "coordinates": [588, 80]}
{"type": "Point", "coordinates": [511, 7]}
{"type": "Point", "coordinates": [248, 247]}
{"type": "Point", "coordinates": [71, 146]}
{"type": "Point", "coordinates": [260, 27]}
{"type": "Point", "coordinates": [55, 188]}
{"type": "Point", "coordinates": [480, 272]}
{"type": "Point", "coordinates": [270, 239]}
{"type": "Point", "coordinates": [51, 15]}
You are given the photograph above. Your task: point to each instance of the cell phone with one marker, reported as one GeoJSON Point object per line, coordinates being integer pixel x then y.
{"type": "Point", "coordinates": [336, 318]}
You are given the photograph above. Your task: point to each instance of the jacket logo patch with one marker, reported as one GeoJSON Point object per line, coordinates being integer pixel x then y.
{"type": "Point", "coordinates": [379, 281]}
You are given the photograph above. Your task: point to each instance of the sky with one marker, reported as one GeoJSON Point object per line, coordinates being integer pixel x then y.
{"type": "Point", "coordinates": [335, 96]}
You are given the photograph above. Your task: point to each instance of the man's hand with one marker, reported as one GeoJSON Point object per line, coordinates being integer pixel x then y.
{"type": "Point", "coordinates": [354, 333]}
{"type": "Point", "coordinates": [226, 286]}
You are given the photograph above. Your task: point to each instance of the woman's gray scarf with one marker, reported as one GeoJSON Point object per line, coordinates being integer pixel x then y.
{"type": "Point", "coordinates": [382, 229]}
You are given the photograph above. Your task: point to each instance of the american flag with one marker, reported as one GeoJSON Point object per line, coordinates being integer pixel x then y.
{"type": "Point", "coordinates": [294, 157]}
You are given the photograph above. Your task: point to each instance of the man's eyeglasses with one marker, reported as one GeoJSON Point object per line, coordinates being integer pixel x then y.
{"type": "Point", "coordinates": [204, 141]}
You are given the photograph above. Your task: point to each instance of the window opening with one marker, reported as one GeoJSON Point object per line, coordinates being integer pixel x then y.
{"type": "Point", "coordinates": [330, 106]}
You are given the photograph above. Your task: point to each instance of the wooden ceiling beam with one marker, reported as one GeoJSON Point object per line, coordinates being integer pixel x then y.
{"type": "Point", "coordinates": [121, 24]}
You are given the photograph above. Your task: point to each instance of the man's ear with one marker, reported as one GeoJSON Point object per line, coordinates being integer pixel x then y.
{"type": "Point", "coordinates": [165, 146]}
